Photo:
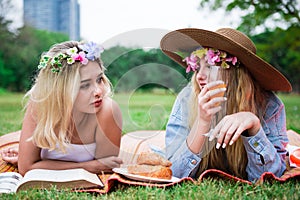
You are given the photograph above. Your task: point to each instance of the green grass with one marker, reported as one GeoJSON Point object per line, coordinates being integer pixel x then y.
{"type": "Point", "coordinates": [292, 108]}
{"type": "Point", "coordinates": [145, 111]}
{"type": "Point", "coordinates": [11, 112]}
{"type": "Point", "coordinates": [151, 111]}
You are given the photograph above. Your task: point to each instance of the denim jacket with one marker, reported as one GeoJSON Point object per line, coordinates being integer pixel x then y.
{"type": "Point", "coordinates": [265, 151]}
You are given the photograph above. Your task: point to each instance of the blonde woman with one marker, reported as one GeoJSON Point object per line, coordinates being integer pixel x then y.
{"type": "Point", "coordinates": [70, 119]}
{"type": "Point", "coordinates": [251, 138]}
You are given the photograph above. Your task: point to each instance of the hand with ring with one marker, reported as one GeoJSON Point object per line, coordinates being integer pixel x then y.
{"type": "Point", "coordinates": [229, 129]}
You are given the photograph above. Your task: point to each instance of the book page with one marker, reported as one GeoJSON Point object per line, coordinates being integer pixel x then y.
{"type": "Point", "coordinates": [70, 177]}
{"type": "Point", "coordinates": [9, 181]}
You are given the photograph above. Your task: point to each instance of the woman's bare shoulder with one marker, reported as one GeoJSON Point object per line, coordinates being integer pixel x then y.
{"type": "Point", "coordinates": [110, 120]}
{"type": "Point", "coordinates": [110, 109]}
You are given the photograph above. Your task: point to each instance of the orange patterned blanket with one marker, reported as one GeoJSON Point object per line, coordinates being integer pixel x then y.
{"type": "Point", "coordinates": [139, 141]}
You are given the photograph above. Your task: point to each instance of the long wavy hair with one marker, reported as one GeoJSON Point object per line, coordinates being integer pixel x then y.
{"type": "Point", "coordinates": [52, 98]}
{"type": "Point", "coordinates": [242, 95]}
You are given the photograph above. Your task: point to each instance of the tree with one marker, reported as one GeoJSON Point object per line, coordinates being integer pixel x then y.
{"type": "Point", "coordinates": [283, 53]}
{"type": "Point", "coordinates": [260, 12]}
{"type": "Point", "coordinates": [6, 38]}
{"type": "Point", "coordinates": [30, 44]}
{"type": "Point", "coordinates": [22, 55]}
{"type": "Point", "coordinates": [135, 68]}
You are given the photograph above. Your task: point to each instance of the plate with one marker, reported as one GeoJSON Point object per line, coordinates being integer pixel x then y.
{"type": "Point", "coordinates": [124, 172]}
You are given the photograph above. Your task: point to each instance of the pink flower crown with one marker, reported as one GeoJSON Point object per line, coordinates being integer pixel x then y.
{"type": "Point", "coordinates": [212, 56]}
{"type": "Point", "coordinates": [89, 51]}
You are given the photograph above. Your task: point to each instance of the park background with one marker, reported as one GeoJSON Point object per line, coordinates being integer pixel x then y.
{"type": "Point", "coordinates": [146, 83]}
{"type": "Point", "coordinates": [274, 26]}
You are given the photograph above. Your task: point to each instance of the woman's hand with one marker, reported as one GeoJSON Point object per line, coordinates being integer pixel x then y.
{"type": "Point", "coordinates": [104, 164]}
{"type": "Point", "coordinates": [10, 155]}
{"type": "Point", "coordinates": [209, 101]}
{"type": "Point", "coordinates": [229, 129]}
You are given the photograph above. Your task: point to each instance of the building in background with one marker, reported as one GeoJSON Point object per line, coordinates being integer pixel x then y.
{"type": "Point", "coordinates": [54, 15]}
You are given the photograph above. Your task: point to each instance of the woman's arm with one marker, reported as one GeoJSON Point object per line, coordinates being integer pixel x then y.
{"type": "Point", "coordinates": [29, 153]}
{"type": "Point", "coordinates": [208, 104]}
{"type": "Point", "coordinates": [266, 150]}
{"type": "Point", "coordinates": [184, 161]}
{"type": "Point", "coordinates": [183, 144]}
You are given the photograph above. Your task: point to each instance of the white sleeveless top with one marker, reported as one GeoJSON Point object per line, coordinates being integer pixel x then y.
{"type": "Point", "coordinates": [74, 153]}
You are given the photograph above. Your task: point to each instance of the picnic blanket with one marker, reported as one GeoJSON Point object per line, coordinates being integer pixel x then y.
{"type": "Point", "coordinates": [140, 141]}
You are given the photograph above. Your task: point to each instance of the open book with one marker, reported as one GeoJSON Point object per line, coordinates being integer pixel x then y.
{"type": "Point", "coordinates": [44, 178]}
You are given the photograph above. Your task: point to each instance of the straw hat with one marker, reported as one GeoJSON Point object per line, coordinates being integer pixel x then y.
{"type": "Point", "coordinates": [231, 41]}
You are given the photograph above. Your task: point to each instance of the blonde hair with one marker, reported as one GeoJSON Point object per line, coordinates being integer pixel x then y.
{"type": "Point", "coordinates": [52, 98]}
{"type": "Point", "coordinates": [242, 95]}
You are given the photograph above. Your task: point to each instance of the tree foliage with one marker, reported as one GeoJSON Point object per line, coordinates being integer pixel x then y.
{"type": "Point", "coordinates": [264, 13]}
{"type": "Point", "coordinates": [282, 49]}
{"type": "Point", "coordinates": [130, 69]}
{"type": "Point", "coordinates": [22, 54]}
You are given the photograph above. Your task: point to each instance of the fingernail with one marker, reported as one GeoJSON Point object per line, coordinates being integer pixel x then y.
{"type": "Point", "coordinates": [211, 138]}
{"type": "Point", "coordinates": [231, 142]}
{"type": "Point", "coordinates": [218, 145]}
{"type": "Point", "coordinates": [224, 145]}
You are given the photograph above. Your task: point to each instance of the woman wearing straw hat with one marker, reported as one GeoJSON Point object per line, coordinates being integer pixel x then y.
{"type": "Point", "coordinates": [250, 138]}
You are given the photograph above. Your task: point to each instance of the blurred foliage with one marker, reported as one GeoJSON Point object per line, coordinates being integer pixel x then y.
{"type": "Point", "coordinates": [259, 12]}
{"type": "Point", "coordinates": [22, 56]}
{"type": "Point", "coordinates": [281, 48]}
{"type": "Point", "coordinates": [130, 69]}
{"type": "Point", "coordinates": [278, 46]}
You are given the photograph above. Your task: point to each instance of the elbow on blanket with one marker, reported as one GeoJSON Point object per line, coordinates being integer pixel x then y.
{"type": "Point", "coordinates": [23, 168]}
{"type": "Point", "coordinates": [22, 171]}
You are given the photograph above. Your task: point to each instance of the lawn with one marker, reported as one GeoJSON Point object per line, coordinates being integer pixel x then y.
{"type": "Point", "coordinates": [150, 111]}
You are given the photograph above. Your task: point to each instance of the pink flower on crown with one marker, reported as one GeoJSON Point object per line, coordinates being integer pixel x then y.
{"type": "Point", "coordinates": [212, 56]}
{"type": "Point", "coordinates": [192, 63]}
{"type": "Point", "coordinates": [80, 57]}
{"type": "Point", "coordinates": [233, 60]}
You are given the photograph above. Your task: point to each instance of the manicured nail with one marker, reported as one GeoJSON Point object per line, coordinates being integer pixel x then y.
{"type": "Point", "coordinates": [231, 142]}
{"type": "Point", "coordinates": [224, 145]}
{"type": "Point", "coordinates": [218, 145]}
{"type": "Point", "coordinates": [211, 138]}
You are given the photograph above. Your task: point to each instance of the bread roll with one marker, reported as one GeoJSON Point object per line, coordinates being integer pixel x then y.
{"type": "Point", "coordinates": [151, 165]}
{"type": "Point", "coordinates": [150, 158]}
{"type": "Point", "coordinates": [154, 171]}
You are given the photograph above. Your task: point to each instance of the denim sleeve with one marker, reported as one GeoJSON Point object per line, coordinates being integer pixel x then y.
{"type": "Point", "coordinates": [184, 162]}
{"type": "Point", "coordinates": [266, 150]}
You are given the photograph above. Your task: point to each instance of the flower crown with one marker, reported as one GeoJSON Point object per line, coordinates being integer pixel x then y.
{"type": "Point", "coordinates": [89, 51]}
{"type": "Point", "coordinates": [212, 56]}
